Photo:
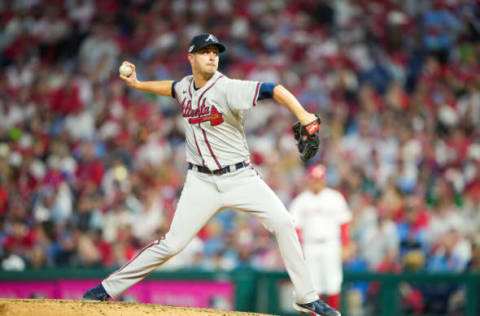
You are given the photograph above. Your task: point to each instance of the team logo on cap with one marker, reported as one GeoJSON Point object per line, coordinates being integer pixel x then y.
{"type": "Point", "coordinates": [211, 38]}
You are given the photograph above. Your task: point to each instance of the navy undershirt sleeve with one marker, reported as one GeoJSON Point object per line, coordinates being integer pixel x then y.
{"type": "Point", "coordinates": [174, 95]}
{"type": "Point", "coordinates": [266, 90]}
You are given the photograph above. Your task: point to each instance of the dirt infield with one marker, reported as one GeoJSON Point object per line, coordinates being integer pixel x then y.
{"type": "Point", "coordinates": [43, 307]}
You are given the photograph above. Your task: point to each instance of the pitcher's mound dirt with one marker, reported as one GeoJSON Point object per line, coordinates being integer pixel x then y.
{"type": "Point", "coordinates": [43, 307]}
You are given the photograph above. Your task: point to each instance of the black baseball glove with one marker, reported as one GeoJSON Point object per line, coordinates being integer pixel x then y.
{"type": "Point", "coordinates": [307, 138]}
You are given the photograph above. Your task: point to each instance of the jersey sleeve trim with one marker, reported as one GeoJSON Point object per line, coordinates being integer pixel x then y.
{"type": "Point", "coordinates": [255, 97]}
{"type": "Point", "coordinates": [174, 94]}
{"type": "Point", "coordinates": [266, 90]}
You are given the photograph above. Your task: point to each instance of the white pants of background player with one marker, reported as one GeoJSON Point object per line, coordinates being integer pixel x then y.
{"type": "Point", "coordinates": [324, 260]}
{"type": "Point", "coordinates": [203, 196]}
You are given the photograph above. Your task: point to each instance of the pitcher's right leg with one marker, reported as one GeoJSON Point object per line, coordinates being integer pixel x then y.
{"type": "Point", "coordinates": [252, 194]}
{"type": "Point", "coordinates": [198, 202]}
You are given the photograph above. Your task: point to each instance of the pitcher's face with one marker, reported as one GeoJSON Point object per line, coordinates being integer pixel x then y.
{"type": "Point", "coordinates": [205, 60]}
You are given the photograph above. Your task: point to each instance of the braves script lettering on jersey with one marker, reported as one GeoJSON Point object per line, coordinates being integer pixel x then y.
{"type": "Point", "coordinates": [322, 247]}
{"type": "Point", "coordinates": [215, 134]}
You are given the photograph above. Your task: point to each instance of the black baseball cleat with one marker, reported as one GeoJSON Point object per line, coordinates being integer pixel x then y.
{"type": "Point", "coordinates": [318, 307]}
{"type": "Point", "coordinates": [97, 293]}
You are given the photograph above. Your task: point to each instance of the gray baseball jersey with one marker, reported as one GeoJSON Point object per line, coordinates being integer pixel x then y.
{"type": "Point", "coordinates": [214, 116]}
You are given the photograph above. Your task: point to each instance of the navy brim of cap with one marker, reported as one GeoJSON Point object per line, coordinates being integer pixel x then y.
{"type": "Point", "coordinates": [220, 46]}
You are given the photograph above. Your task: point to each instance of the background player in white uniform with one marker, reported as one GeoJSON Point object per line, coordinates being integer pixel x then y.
{"type": "Point", "coordinates": [323, 207]}
{"type": "Point", "coordinates": [220, 175]}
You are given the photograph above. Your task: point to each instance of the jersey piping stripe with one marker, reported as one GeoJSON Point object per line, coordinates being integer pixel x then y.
{"type": "Point", "coordinates": [200, 99]}
{"type": "Point", "coordinates": [210, 148]}
{"type": "Point", "coordinates": [190, 88]}
{"type": "Point", "coordinates": [181, 103]}
{"type": "Point", "coordinates": [193, 130]}
{"type": "Point", "coordinates": [198, 147]}
{"type": "Point", "coordinates": [156, 242]}
{"type": "Point", "coordinates": [204, 134]}
{"type": "Point", "coordinates": [256, 94]}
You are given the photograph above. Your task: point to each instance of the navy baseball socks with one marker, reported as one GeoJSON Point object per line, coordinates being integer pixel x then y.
{"type": "Point", "coordinates": [318, 307]}
{"type": "Point", "coordinates": [97, 293]}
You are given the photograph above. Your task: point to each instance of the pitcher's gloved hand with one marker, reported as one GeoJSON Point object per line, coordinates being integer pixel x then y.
{"type": "Point", "coordinates": [307, 138]}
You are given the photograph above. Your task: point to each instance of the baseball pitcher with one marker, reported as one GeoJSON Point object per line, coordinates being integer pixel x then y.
{"type": "Point", "coordinates": [220, 175]}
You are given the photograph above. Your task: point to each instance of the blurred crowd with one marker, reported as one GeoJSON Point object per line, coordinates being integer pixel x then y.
{"type": "Point", "coordinates": [90, 171]}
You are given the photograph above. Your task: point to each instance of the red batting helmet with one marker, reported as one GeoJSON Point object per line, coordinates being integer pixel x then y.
{"type": "Point", "coordinates": [317, 172]}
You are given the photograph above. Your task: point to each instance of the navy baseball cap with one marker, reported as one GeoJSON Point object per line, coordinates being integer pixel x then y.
{"type": "Point", "coordinates": [202, 40]}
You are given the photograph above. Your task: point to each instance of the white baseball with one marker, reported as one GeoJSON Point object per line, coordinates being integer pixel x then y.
{"type": "Point", "coordinates": [125, 70]}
